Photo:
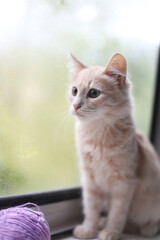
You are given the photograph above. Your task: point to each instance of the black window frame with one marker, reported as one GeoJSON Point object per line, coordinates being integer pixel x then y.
{"type": "Point", "coordinates": [155, 126]}
{"type": "Point", "coordinates": [41, 198]}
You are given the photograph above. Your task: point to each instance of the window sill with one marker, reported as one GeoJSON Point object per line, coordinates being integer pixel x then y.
{"type": "Point", "coordinates": [62, 208]}
{"type": "Point", "coordinates": [68, 236]}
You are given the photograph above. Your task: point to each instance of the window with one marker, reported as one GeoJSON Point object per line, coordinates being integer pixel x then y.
{"type": "Point", "coordinates": [37, 149]}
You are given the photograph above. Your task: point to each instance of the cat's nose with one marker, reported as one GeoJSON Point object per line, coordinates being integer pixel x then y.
{"type": "Point", "coordinates": [76, 106]}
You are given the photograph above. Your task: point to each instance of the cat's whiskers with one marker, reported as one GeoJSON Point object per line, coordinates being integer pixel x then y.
{"type": "Point", "coordinates": [60, 124]}
{"type": "Point", "coordinates": [59, 115]}
{"type": "Point", "coordinates": [67, 123]}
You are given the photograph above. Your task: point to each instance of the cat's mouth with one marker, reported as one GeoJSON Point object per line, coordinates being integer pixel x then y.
{"type": "Point", "coordinates": [82, 113]}
{"type": "Point", "coordinates": [77, 113]}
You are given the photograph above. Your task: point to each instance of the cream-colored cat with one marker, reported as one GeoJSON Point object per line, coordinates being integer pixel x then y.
{"type": "Point", "coordinates": [119, 167]}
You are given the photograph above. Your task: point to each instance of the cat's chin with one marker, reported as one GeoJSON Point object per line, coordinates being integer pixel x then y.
{"type": "Point", "coordinates": [84, 118]}
{"type": "Point", "coordinates": [81, 117]}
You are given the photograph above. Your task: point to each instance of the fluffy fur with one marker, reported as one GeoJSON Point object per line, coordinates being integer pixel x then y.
{"type": "Point", "coordinates": [120, 168]}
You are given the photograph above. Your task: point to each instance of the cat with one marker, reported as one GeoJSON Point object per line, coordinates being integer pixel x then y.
{"type": "Point", "coordinates": [119, 166]}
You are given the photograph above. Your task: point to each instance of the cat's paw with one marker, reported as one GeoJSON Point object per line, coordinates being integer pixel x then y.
{"type": "Point", "coordinates": [84, 232]}
{"type": "Point", "coordinates": [108, 235]}
{"type": "Point", "coordinates": [149, 230]}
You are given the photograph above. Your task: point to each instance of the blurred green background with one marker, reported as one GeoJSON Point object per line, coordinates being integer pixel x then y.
{"type": "Point", "coordinates": [37, 148]}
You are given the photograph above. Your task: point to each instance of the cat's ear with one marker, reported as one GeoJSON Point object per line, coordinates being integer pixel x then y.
{"type": "Point", "coordinates": [117, 68]}
{"type": "Point", "coordinates": [76, 64]}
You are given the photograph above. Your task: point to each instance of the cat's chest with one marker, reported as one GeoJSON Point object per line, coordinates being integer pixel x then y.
{"type": "Point", "coordinates": [97, 140]}
{"type": "Point", "coordinates": [97, 146]}
{"type": "Point", "coordinates": [100, 163]}
{"type": "Point", "coordinates": [98, 153]}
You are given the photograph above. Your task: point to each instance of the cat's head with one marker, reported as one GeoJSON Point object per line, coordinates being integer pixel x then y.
{"type": "Point", "coordinates": [99, 93]}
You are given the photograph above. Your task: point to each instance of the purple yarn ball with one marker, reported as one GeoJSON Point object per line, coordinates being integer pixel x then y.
{"type": "Point", "coordinates": [23, 223]}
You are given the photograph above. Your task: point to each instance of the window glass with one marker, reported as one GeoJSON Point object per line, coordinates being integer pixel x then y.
{"type": "Point", "coordinates": [37, 147]}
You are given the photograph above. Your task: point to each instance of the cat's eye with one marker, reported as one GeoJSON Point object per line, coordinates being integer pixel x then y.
{"type": "Point", "coordinates": [93, 93]}
{"type": "Point", "coordinates": [74, 91]}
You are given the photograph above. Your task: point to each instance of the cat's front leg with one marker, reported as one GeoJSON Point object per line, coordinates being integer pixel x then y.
{"type": "Point", "coordinates": [117, 216]}
{"type": "Point", "coordinates": [92, 201]}
{"type": "Point", "coordinates": [92, 207]}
